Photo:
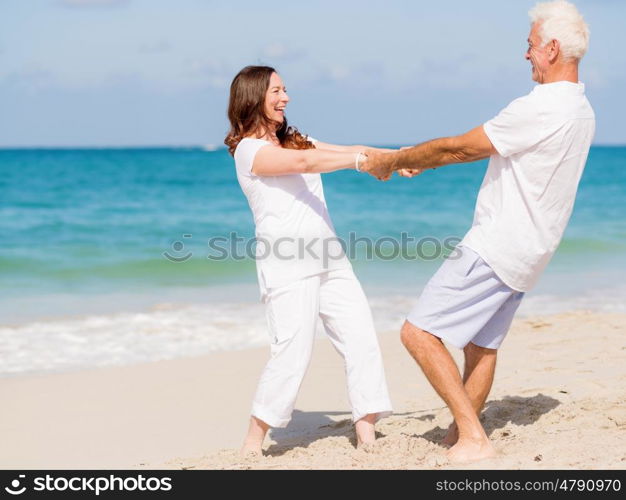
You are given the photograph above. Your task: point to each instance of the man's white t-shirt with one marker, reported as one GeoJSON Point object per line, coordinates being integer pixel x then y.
{"type": "Point", "coordinates": [295, 236]}
{"type": "Point", "coordinates": [528, 192]}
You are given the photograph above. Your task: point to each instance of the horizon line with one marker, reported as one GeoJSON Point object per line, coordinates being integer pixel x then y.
{"type": "Point", "coordinates": [205, 147]}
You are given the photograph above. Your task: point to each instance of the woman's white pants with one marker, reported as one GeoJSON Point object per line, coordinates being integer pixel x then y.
{"type": "Point", "coordinates": [292, 312]}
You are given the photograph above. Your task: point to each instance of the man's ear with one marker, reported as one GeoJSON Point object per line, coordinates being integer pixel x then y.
{"type": "Point", "coordinates": [554, 49]}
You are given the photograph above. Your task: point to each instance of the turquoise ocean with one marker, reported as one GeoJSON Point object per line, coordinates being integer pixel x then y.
{"type": "Point", "coordinates": [109, 256]}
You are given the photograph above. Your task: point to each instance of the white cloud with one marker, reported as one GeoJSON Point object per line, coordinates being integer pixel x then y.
{"type": "Point", "coordinates": [594, 78]}
{"type": "Point", "coordinates": [282, 52]}
{"type": "Point", "coordinates": [462, 71]}
{"type": "Point", "coordinates": [338, 72]}
{"type": "Point", "coordinates": [155, 47]}
{"type": "Point", "coordinates": [357, 75]}
{"type": "Point", "coordinates": [210, 72]}
{"type": "Point", "coordinates": [32, 78]}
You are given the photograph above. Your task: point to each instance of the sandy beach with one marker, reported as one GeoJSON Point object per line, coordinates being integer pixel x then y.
{"type": "Point", "coordinates": [173, 199]}
{"type": "Point", "coordinates": [559, 401]}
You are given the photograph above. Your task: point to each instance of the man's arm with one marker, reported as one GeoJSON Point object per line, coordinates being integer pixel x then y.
{"type": "Point", "coordinates": [471, 146]}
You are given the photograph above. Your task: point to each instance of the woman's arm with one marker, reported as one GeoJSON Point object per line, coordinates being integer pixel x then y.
{"type": "Point", "coordinates": [273, 160]}
{"type": "Point", "coordinates": [351, 149]}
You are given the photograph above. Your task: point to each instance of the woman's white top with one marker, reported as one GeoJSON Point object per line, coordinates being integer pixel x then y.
{"type": "Point", "coordinates": [295, 236]}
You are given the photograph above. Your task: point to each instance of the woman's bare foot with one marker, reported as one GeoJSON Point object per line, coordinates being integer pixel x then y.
{"type": "Point", "coordinates": [365, 431]}
{"type": "Point", "coordinates": [471, 450]}
{"type": "Point", "coordinates": [452, 436]}
{"type": "Point", "coordinates": [253, 444]}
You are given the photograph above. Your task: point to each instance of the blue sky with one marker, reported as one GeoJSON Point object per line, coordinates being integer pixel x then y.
{"type": "Point", "coordinates": [156, 72]}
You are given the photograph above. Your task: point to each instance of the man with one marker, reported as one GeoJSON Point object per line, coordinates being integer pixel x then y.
{"type": "Point", "coordinates": [538, 147]}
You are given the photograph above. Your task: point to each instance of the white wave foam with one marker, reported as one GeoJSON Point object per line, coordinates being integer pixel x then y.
{"type": "Point", "coordinates": [164, 333]}
{"type": "Point", "coordinates": [172, 331]}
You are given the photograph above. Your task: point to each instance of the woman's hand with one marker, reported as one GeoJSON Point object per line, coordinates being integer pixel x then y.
{"type": "Point", "coordinates": [378, 166]}
{"type": "Point", "coordinates": [409, 172]}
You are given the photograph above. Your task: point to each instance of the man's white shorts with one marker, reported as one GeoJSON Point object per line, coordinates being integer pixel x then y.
{"type": "Point", "coordinates": [466, 302]}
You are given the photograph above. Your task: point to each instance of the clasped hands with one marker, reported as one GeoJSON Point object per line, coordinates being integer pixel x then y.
{"type": "Point", "coordinates": [382, 165]}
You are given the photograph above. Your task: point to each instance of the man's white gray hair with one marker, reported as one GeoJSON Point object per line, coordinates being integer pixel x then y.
{"type": "Point", "coordinates": [560, 20]}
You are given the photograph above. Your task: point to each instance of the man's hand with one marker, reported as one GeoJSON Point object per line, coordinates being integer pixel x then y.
{"type": "Point", "coordinates": [378, 165]}
{"type": "Point", "coordinates": [409, 172]}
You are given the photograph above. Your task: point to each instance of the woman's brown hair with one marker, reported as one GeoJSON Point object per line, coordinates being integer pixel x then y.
{"type": "Point", "coordinates": [246, 111]}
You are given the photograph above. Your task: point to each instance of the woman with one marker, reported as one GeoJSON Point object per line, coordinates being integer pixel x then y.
{"type": "Point", "coordinates": [302, 270]}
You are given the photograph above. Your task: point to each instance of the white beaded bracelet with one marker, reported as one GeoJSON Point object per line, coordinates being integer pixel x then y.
{"type": "Point", "coordinates": [356, 161]}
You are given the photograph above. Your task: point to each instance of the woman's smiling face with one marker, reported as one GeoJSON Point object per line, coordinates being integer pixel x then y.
{"type": "Point", "coordinates": [276, 99]}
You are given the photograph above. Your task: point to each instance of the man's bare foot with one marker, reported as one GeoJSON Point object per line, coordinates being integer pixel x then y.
{"type": "Point", "coordinates": [365, 431]}
{"type": "Point", "coordinates": [452, 436]}
{"type": "Point", "coordinates": [250, 450]}
{"type": "Point", "coordinates": [470, 450]}
{"type": "Point", "coordinates": [366, 447]}
{"type": "Point", "coordinates": [252, 446]}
